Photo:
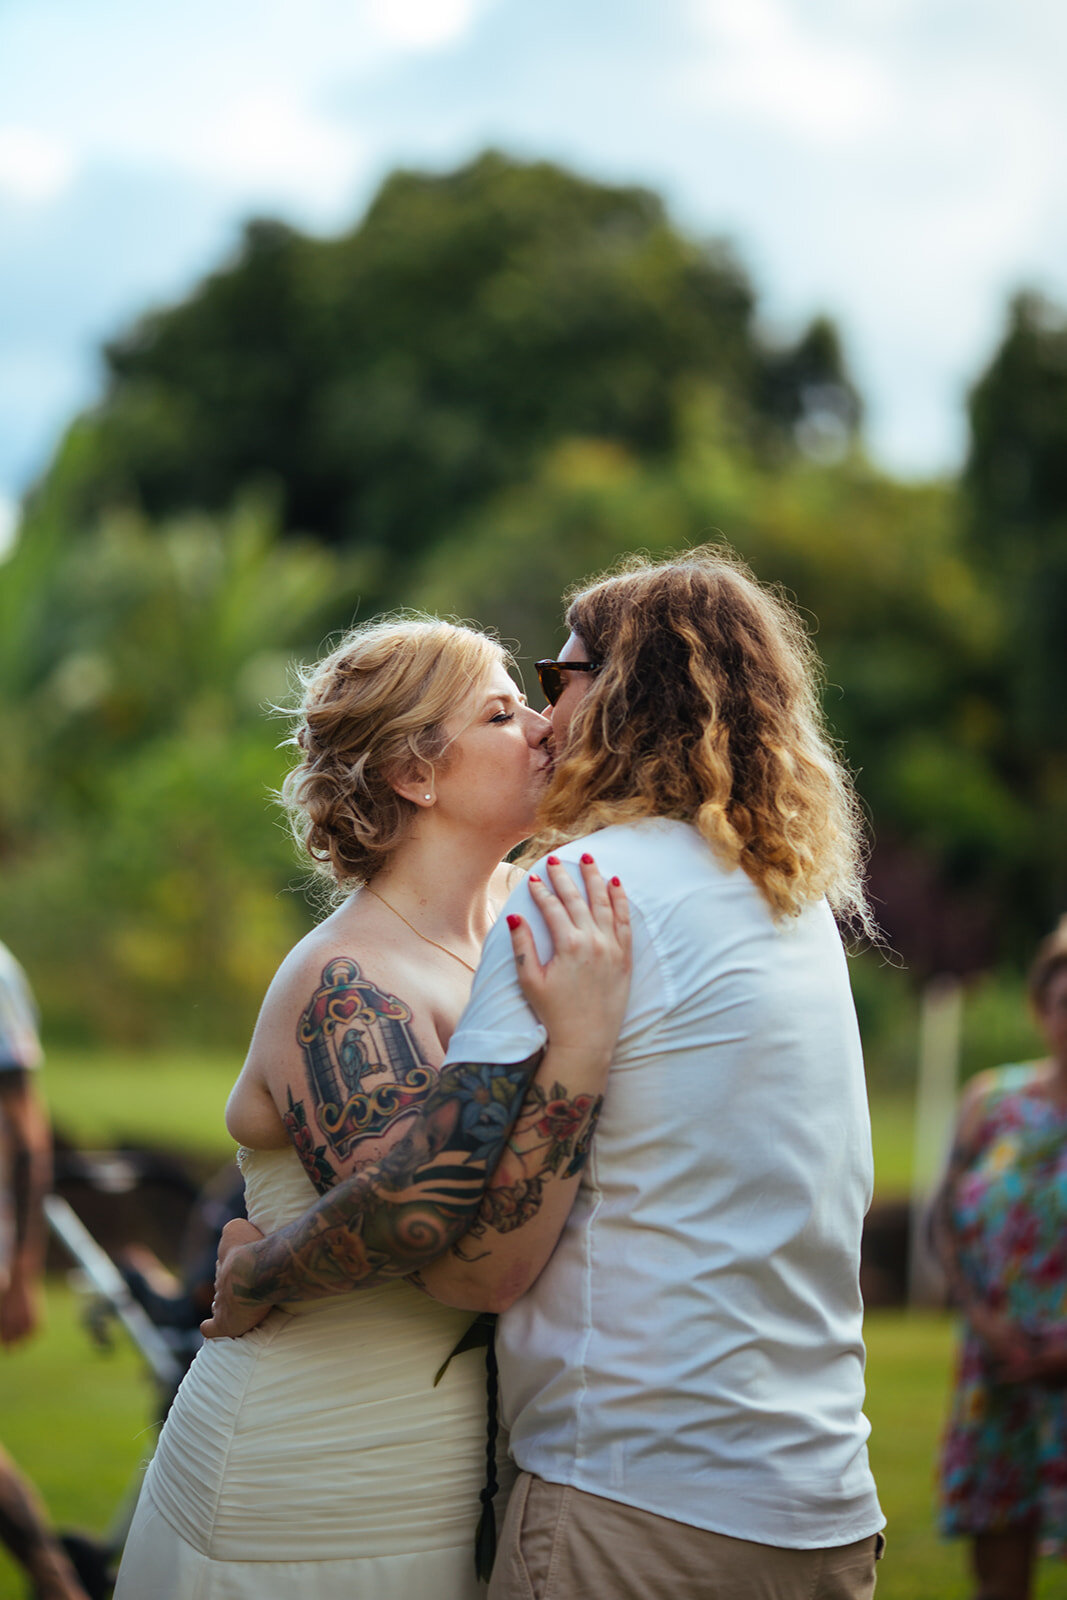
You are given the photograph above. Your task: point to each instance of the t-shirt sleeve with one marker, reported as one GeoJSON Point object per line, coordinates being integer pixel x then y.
{"type": "Point", "coordinates": [497, 1024]}
{"type": "Point", "coordinates": [20, 1045]}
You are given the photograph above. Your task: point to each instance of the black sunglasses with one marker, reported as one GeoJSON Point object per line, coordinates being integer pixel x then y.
{"type": "Point", "coordinates": [550, 675]}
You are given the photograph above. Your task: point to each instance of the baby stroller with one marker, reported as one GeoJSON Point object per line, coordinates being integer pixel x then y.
{"type": "Point", "coordinates": [164, 1323]}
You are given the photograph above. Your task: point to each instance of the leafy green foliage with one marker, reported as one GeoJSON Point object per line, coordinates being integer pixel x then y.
{"type": "Point", "coordinates": [390, 379]}
{"type": "Point", "coordinates": [504, 378]}
{"type": "Point", "coordinates": [142, 867]}
{"type": "Point", "coordinates": [1015, 500]}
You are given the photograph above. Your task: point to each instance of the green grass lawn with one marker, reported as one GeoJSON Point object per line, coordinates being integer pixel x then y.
{"type": "Point", "coordinates": [174, 1100]}
{"type": "Point", "coordinates": [909, 1361]}
{"type": "Point", "coordinates": [78, 1418]}
{"type": "Point", "coordinates": [892, 1133]}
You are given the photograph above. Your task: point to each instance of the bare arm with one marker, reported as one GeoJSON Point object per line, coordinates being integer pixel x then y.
{"type": "Point", "coordinates": [29, 1151]}
{"type": "Point", "coordinates": [1005, 1342]}
{"type": "Point", "coordinates": [942, 1224]}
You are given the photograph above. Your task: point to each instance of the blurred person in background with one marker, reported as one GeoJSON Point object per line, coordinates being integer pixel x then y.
{"type": "Point", "coordinates": [684, 1379]}
{"type": "Point", "coordinates": [25, 1176]}
{"type": "Point", "coordinates": [317, 1455]}
{"type": "Point", "coordinates": [1000, 1226]}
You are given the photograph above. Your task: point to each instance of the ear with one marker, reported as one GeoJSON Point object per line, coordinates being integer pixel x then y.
{"type": "Point", "coordinates": [415, 783]}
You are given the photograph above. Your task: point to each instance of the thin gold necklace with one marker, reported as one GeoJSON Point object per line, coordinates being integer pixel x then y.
{"type": "Point", "coordinates": [415, 930]}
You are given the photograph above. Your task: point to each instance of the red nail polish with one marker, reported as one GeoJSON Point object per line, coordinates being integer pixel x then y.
{"type": "Point", "coordinates": [616, 883]}
{"type": "Point", "coordinates": [553, 861]}
{"type": "Point", "coordinates": [533, 878]}
{"type": "Point", "coordinates": [587, 859]}
{"type": "Point", "coordinates": [513, 921]}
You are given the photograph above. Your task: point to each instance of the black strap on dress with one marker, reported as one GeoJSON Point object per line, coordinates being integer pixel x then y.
{"type": "Point", "coordinates": [479, 1333]}
{"type": "Point", "coordinates": [485, 1536]}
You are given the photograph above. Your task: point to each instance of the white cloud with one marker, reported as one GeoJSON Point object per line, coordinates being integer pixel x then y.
{"type": "Point", "coordinates": [894, 163]}
{"type": "Point", "coordinates": [891, 161]}
{"type": "Point", "coordinates": [238, 93]}
{"type": "Point", "coordinates": [423, 24]}
{"type": "Point", "coordinates": [33, 166]}
{"type": "Point", "coordinates": [270, 144]}
{"type": "Point", "coordinates": [772, 66]}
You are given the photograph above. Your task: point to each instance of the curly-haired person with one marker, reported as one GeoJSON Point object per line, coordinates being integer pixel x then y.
{"type": "Point", "coordinates": [684, 1379]}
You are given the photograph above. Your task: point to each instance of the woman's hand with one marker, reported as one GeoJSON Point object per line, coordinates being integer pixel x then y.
{"type": "Point", "coordinates": [229, 1319]}
{"type": "Point", "coordinates": [1030, 1357]}
{"type": "Point", "coordinates": [1008, 1347]}
{"type": "Point", "coordinates": [580, 995]}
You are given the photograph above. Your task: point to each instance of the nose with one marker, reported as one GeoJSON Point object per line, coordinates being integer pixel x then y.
{"type": "Point", "coordinates": [538, 727]}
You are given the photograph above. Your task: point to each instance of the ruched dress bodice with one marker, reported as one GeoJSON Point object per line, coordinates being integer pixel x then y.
{"type": "Point", "coordinates": [315, 1454]}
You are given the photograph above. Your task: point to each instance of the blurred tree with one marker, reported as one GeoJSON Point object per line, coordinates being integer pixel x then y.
{"type": "Point", "coordinates": [501, 380]}
{"type": "Point", "coordinates": [807, 396]}
{"type": "Point", "coordinates": [1015, 495]}
{"type": "Point", "coordinates": [142, 866]}
{"type": "Point", "coordinates": [390, 379]}
{"type": "Point", "coordinates": [1015, 485]}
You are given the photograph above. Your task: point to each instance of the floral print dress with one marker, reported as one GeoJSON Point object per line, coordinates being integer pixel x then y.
{"type": "Point", "coordinates": [1005, 1450]}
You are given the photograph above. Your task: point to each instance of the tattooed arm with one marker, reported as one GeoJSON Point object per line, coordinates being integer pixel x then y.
{"type": "Point", "coordinates": [388, 1219]}
{"type": "Point", "coordinates": [530, 1195]}
{"type": "Point", "coordinates": [525, 1206]}
{"type": "Point", "coordinates": [396, 1215]}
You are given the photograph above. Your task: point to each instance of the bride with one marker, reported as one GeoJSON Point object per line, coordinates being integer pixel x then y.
{"type": "Point", "coordinates": [315, 1454]}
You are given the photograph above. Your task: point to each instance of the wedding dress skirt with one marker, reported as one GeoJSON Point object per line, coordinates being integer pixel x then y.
{"type": "Point", "coordinates": [314, 1456]}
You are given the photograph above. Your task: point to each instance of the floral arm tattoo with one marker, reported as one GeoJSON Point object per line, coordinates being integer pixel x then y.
{"type": "Point", "coordinates": [551, 1139]}
{"type": "Point", "coordinates": [397, 1214]}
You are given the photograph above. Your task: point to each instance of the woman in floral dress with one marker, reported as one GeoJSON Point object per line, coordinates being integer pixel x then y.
{"type": "Point", "coordinates": [1001, 1229]}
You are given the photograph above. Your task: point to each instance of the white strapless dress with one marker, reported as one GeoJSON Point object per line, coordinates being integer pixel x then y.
{"type": "Point", "coordinates": [314, 1456]}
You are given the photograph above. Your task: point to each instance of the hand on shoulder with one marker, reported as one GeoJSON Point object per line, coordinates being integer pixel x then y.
{"type": "Point", "coordinates": [580, 994]}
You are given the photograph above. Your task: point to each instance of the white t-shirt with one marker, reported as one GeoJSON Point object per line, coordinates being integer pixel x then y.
{"type": "Point", "coordinates": [694, 1345]}
{"type": "Point", "coordinates": [20, 1047]}
{"type": "Point", "coordinates": [20, 1050]}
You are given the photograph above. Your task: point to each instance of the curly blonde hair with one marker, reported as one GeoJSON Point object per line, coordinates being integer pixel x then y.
{"type": "Point", "coordinates": [706, 709]}
{"type": "Point", "coordinates": [373, 710]}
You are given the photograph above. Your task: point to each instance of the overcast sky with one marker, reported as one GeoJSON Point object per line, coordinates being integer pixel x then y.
{"type": "Point", "coordinates": [898, 163]}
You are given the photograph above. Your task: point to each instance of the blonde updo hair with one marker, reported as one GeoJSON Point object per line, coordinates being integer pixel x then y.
{"type": "Point", "coordinates": [372, 711]}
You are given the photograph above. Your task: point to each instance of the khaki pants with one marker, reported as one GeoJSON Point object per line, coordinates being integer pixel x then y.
{"type": "Point", "coordinates": [563, 1544]}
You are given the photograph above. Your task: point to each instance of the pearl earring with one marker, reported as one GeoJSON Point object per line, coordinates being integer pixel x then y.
{"type": "Point", "coordinates": [427, 797]}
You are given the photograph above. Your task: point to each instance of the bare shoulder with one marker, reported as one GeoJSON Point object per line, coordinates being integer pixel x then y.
{"type": "Point", "coordinates": [350, 947]}
{"type": "Point", "coordinates": [973, 1103]}
{"type": "Point", "coordinates": [342, 1048]}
